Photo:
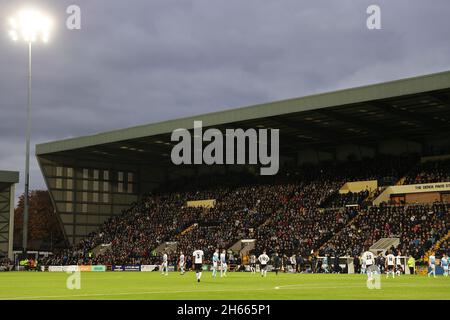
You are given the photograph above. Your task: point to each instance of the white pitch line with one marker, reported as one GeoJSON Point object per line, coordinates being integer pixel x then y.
{"type": "Point", "coordinates": [303, 286]}
{"type": "Point", "coordinates": [286, 287]}
{"type": "Point", "coordinates": [290, 285]}
{"type": "Point", "coordinates": [124, 294]}
{"type": "Point", "coordinates": [152, 292]}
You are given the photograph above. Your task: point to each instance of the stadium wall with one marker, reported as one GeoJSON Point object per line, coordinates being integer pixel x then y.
{"type": "Point", "coordinates": [86, 193]}
{"type": "Point", "coordinates": [421, 193]}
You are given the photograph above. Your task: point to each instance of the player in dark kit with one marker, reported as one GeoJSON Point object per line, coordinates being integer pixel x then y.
{"type": "Point", "coordinates": [276, 263]}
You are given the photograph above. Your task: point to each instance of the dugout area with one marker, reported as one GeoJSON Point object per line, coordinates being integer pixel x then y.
{"type": "Point", "coordinates": [95, 177]}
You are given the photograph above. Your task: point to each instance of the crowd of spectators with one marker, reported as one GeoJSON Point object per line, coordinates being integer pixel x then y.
{"type": "Point", "coordinates": [444, 247]}
{"type": "Point", "coordinates": [235, 217]}
{"type": "Point", "coordinates": [429, 172]}
{"type": "Point", "coordinates": [296, 212]}
{"type": "Point", "coordinates": [290, 226]}
{"type": "Point", "coordinates": [346, 199]}
{"type": "Point", "coordinates": [134, 234]}
{"type": "Point", "coordinates": [417, 226]}
{"type": "Point", "coordinates": [301, 232]}
{"type": "Point", "coordinates": [5, 264]}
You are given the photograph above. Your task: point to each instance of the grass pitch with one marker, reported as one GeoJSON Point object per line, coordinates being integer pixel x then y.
{"type": "Point", "coordinates": [154, 286]}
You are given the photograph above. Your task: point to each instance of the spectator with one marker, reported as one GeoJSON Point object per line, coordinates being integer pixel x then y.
{"type": "Point", "coordinates": [411, 265]}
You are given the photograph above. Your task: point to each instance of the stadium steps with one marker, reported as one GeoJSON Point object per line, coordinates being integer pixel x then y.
{"type": "Point", "coordinates": [401, 181]}
{"type": "Point", "coordinates": [265, 223]}
{"type": "Point", "coordinates": [436, 246]}
{"type": "Point", "coordinates": [101, 249]}
{"type": "Point", "coordinates": [243, 246]}
{"type": "Point", "coordinates": [372, 196]}
{"type": "Point", "coordinates": [384, 244]}
{"type": "Point", "coordinates": [188, 229]}
{"type": "Point", "coordinates": [169, 246]}
{"type": "Point", "coordinates": [384, 196]}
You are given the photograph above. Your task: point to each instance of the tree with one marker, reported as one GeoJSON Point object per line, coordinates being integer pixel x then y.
{"type": "Point", "coordinates": [44, 230]}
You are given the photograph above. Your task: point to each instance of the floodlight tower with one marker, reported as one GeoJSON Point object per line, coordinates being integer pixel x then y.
{"type": "Point", "coordinates": [28, 26]}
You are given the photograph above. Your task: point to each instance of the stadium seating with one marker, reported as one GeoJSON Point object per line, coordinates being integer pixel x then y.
{"type": "Point", "coordinates": [351, 198]}
{"type": "Point", "coordinates": [417, 226]}
{"type": "Point", "coordinates": [298, 211]}
{"type": "Point", "coordinates": [429, 172]}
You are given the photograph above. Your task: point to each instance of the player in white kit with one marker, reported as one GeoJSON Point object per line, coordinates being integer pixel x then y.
{"type": "Point", "coordinates": [263, 260]}
{"type": "Point", "coordinates": [398, 265]}
{"type": "Point", "coordinates": [390, 264]}
{"type": "Point", "coordinates": [198, 263]}
{"type": "Point", "coordinates": [164, 266]}
{"type": "Point", "coordinates": [215, 261]}
{"type": "Point", "coordinates": [182, 263]}
{"type": "Point", "coordinates": [444, 264]}
{"type": "Point", "coordinates": [223, 264]}
{"type": "Point", "coordinates": [432, 265]}
{"type": "Point", "coordinates": [369, 260]}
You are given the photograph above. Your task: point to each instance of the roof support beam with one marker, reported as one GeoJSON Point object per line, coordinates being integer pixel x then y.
{"type": "Point", "coordinates": [407, 115]}
{"type": "Point", "coordinates": [324, 134]}
{"type": "Point", "coordinates": [442, 98]}
{"type": "Point", "coordinates": [359, 123]}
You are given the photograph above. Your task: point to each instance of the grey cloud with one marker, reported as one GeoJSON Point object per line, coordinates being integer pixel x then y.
{"type": "Point", "coordinates": [137, 61]}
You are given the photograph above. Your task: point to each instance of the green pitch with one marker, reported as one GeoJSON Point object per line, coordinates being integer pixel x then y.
{"type": "Point", "coordinates": [152, 285]}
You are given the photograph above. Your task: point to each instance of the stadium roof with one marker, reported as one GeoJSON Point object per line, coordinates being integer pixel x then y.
{"type": "Point", "coordinates": [7, 178]}
{"type": "Point", "coordinates": [413, 108]}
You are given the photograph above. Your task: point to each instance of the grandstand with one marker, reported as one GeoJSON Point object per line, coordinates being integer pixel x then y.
{"type": "Point", "coordinates": [353, 167]}
{"type": "Point", "coordinates": [8, 180]}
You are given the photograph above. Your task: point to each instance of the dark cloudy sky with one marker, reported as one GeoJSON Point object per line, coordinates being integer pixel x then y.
{"type": "Point", "coordinates": [142, 61]}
